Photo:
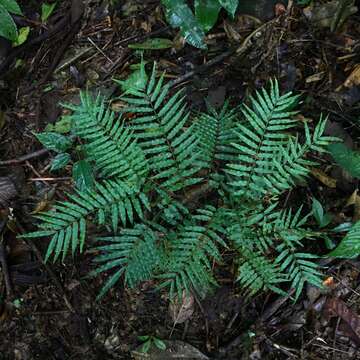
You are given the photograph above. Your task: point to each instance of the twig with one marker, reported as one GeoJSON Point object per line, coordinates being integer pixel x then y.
{"type": "Point", "coordinates": [3, 261]}
{"type": "Point", "coordinates": [61, 51]}
{"type": "Point", "coordinates": [51, 179]}
{"type": "Point", "coordinates": [28, 44]}
{"type": "Point", "coordinates": [23, 158]}
{"type": "Point", "coordinates": [239, 50]}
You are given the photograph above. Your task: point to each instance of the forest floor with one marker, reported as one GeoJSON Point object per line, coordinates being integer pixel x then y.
{"type": "Point", "coordinates": [50, 311]}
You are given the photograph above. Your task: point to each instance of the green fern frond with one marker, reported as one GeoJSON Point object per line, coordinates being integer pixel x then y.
{"type": "Point", "coordinates": [298, 266]}
{"type": "Point", "coordinates": [349, 246]}
{"type": "Point", "coordinates": [160, 127]}
{"type": "Point", "coordinates": [257, 273]}
{"type": "Point", "coordinates": [264, 169]}
{"type": "Point", "coordinates": [346, 158]}
{"type": "Point", "coordinates": [216, 132]}
{"type": "Point", "coordinates": [110, 201]}
{"type": "Point", "coordinates": [110, 145]}
{"type": "Point", "coordinates": [171, 210]}
{"type": "Point", "coordinates": [191, 248]}
{"type": "Point", "coordinates": [134, 253]}
{"type": "Point", "coordinates": [260, 138]}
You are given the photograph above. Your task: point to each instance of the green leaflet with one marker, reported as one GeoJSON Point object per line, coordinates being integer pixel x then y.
{"type": "Point", "coordinates": [54, 141]}
{"type": "Point", "coordinates": [207, 12]}
{"type": "Point", "coordinates": [349, 246]}
{"type": "Point", "coordinates": [11, 6]}
{"type": "Point", "coordinates": [83, 175]}
{"type": "Point", "coordinates": [230, 6]}
{"type": "Point", "coordinates": [179, 15]}
{"type": "Point", "coordinates": [60, 161]}
{"type": "Point", "coordinates": [8, 28]}
{"type": "Point", "coordinates": [346, 158]}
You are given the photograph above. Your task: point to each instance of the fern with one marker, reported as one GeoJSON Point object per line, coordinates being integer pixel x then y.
{"type": "Point", "coordinates": [190, 249]}
{"type": "Point", "coordinates": [216, 132]}
{"type": "Point", "coordinates": [133, 253]}
{"type": "Point", "coordinates": [110, 145]}
{"type": "Point", "coordinates": [160, 129]}
{"type": "Point", "coordinates": [67, 222]}
{"type": "Point", "coordinates": [297, 265]}
{"type": "Point", "coordinates": [346, 158]}
{"type": "Point", "coordinates": [146, 168]}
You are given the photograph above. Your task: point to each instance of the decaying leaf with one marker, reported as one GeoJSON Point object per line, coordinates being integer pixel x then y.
{"type": "Point", "coordinates": [323, 178]}
{"type": "Point", "coordinates": [336, 307]}
{"type": "Point", "coordinates": [354, 78]}
{"type": "Point", "coordinates": [7, 191]}
{"type": "Point", "coordinates": [182, 311]}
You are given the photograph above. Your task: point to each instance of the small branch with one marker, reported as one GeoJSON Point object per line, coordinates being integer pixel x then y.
{"type": "Point", "coordinates": [3, 262]}
{"type": "Point", "coordinates": [23, 158]}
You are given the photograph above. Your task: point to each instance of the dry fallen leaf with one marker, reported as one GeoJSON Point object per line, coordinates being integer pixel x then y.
{"type": "Point", "coordinates": [325, 179]}
{"type": "Point", "coordinates": [354, 78]}
{"type": "Point", "coordinates": [182, 311]}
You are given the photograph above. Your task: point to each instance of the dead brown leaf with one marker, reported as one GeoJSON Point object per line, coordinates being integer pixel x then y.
{"type": "Point", "coordinates": [354, 78]}
{"type": "Point", "coordinates": [323, 178]}
{"type": "Point", "coordinates": [180, 311]}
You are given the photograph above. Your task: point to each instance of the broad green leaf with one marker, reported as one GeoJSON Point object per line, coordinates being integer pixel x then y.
{"type": "Point", "coordinates": [318, 211]}
{"type": "Point", "coordinates": [8, 28]}
{"type": "Point", "coordinates": [136, 81]}
{"type": "Point", "coordinates": [152, 44]}
{"type": "Point", "coordinates": [349, 246]}
{"type": "Point", "coordinates": [62, 126]}
{"type": "Point", "coordinates": [83, 175]}
{"type": "Point", "coordinates": [54, 141]}
{"type": "Point", "coordinates": [159, 343]}
{"type": "Point", "coordinates": [23, 35]}
{"type": "Point", "coordinates": [146, 346]}
{"type": "Point", "coordinates": [179, 15]}
{"type": "Point", "coordinates": [60, 161]}
{"type": "Point", "coordinates": [346, 158]}
{"type": "Point", "coordinates": [230, 6]}
{"type": "Point", "coordinates": [11, 6]}
{"type": "Point", "coordinates": [47, 10]}
{"type": "Point", "coordinates": [206, 12]}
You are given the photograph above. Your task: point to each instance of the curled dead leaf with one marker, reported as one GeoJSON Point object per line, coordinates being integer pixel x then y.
{"type": "Point", "coordinates": [180, 311]}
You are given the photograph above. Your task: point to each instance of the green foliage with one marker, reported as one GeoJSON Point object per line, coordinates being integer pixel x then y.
{"type": "Point", "coordinates": [346, 158]}
{"type": "Point", "coordinates": [47, 10]}
{"type": "Point", "coordinates": [193, 27]}
{"type": "Point", "coordinates": [176, 191]}
{"type": "Point", "coordinates": [149, 341]}
{"type": "Point", "coordinates": [8, 28]}
{"type": "Point", "coordinates": [349, 246]}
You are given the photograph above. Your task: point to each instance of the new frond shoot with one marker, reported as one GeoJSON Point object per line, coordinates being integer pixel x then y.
{"type": "Point", "coordinates": [173, 191]}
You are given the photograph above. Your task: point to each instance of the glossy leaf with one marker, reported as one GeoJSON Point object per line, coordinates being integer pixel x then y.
{"type": "Point", "coordinates": [47, 10]}
{"type": "Point", "coordinates": [11, 6]}
{"type": "Point", "coordinates": [346, 158]}
{"type": "Point", "coordinates": [83, 175]}
{"type": "Point", "coordinates": [206, 12]}
{"type": "Point", "coordinates": [23, 35]}
{"type": "Point", "coordinates": [349, 246]}
{"type": "Point", "coordinates": [54, 141]}
{"type": "Point", "coordinates": [60, 161]}
{"type": "Point", "coordinates": [179, 15]}
{"type": "Point", "coordinates": [230, 6]}
{"type": "Point", "coordinates": [8, 28]}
